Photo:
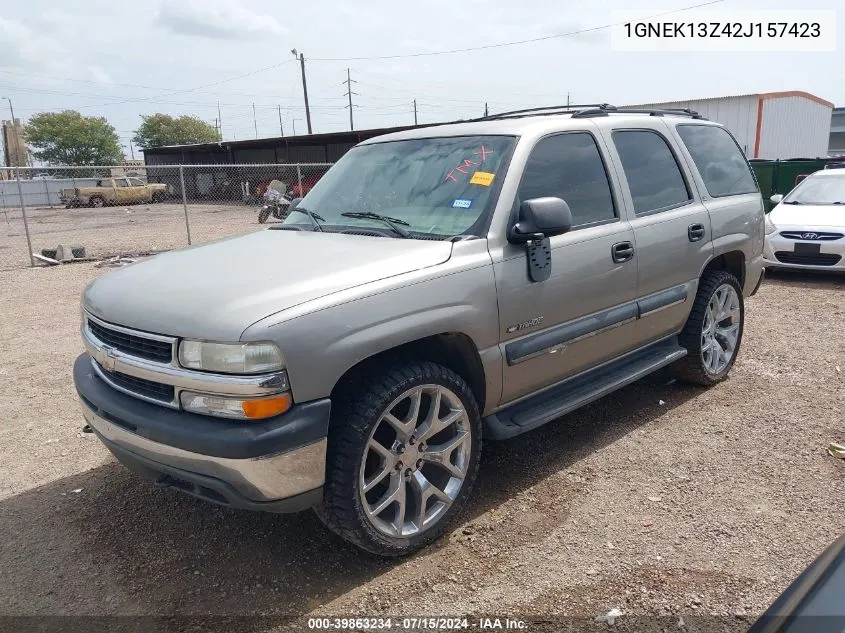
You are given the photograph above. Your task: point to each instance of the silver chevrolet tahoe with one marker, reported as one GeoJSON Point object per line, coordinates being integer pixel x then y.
{"type": "Point", "coordinates": [437, 287]}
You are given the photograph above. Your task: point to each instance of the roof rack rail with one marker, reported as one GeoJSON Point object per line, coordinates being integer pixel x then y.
{"type": "Point", "coordinates": [587, 110]}
{"type": "Point", "coordinates": [605, 111]}
{"type": "Point", "coordinates": [547, 110]}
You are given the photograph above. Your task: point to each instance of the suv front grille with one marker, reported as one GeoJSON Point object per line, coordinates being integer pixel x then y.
{"type": "Point", "coordinates": [808, 259]}
{"type": "Point", "coordinates": [817, 236]}
{"type": "Point", "coordinates": [147, 388]}
{"type": "Point", "coordinates": [151, 349]}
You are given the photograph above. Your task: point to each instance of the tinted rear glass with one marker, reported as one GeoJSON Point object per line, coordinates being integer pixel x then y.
{"type": "Point", "coordinates": [719, 160]}
{"type": "Point", "coordinates": [653, 175]}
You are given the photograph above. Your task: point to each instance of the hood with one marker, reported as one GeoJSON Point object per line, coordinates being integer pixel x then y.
{"type": "Point", "coordinates": [808, 216]}
{"type": "Point", "coordinates": [216, 291]}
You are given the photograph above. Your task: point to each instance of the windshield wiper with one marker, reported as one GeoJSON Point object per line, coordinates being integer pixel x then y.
{"type": "Point", "coordinates": [315, 218]}
{"type": "Point", "coordinates": [391, 222]}
{"type": "Point", "coordinates": [792, 202]}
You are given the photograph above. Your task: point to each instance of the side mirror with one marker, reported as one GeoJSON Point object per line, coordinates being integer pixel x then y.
{"type": "Point", "coordinates": [294, 203]}
{"type": "Point", "coordinates": [776, 199]}
{"type": "Point", "coordinates": [540, 218]}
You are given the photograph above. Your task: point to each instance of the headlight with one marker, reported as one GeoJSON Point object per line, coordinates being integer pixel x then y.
{"type": "Point", "coordinates": [237, 408]}
{"type": "Point", "coordinates": [770, 227]}
{"type": "Point", "coordinates": [231, 358]}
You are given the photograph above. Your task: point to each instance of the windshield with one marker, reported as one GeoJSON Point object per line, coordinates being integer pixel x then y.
{"type": "Point", "coordinates": [818, 190]}
{"type": "Point", "coordinates": [438, 186]}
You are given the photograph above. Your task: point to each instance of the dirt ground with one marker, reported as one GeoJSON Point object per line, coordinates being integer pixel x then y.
{"type": "Point", "coordinates": [659, 500]}
{"type": "Point", "coordinates": [120, 229]}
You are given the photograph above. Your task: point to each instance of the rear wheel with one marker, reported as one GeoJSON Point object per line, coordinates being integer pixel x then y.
{"type": "Point", "coordinates": [158, 196]}
{"type": "Point", "coordinates": [97, 202]}
{"type": "Point", "coordinates": [403, 456]}
{"type": "Point", "coordinates": [713, 332]}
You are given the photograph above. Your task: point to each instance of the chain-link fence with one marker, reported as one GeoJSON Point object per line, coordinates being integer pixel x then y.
{"type": "Point", "coordinates": [59, 212]}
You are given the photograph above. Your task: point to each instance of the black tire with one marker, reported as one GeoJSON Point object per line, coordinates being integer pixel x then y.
{"type": "Point", "coordinates": [693, 368]}
{"type": "Point", "coordinates": [158, 197]}
{"type": "Point", "coordinates": [355, 416]}
{"type": "Point", "coordinates": [263, 215]}
{"type": "Point", "coordinates": [97, 202]}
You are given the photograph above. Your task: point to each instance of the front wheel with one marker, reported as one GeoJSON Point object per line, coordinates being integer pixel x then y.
{"type": "Point", "coordinates": [403, 455]}
{"type": "Point", "coordinates": [713, 332]}
{"type": "Point", "coordinates": [263, 215]}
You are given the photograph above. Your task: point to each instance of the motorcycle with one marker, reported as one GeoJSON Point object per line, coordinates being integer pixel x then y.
{"type": "Point", "coordinates": [277, 202]}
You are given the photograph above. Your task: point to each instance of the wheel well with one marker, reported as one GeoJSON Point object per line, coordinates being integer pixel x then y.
{"type": "Point", "coordinates": [454, 350]}
{"type": "Point", "coordinates": [732, 262]}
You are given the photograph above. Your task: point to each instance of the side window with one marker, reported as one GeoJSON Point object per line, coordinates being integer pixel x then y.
{"type": "Point", "coordinates": [135, 182]}
{"type": "Point", "coordinates": [719, 160]}
{"type": "Point", "coordinates": [121, 182]}
{"type": "Point", "coordinates": [652, 172]}
{"type": "Point", "coordinates": [569, 166]}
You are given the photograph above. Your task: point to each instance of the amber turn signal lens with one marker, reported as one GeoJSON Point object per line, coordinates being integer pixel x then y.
{"type": "Point", "coordinates": [268, 407]}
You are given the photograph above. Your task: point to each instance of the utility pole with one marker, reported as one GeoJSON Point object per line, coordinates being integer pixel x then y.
{"type": "Point", "coordinates": [281, 127]}
{"type": "Point", "coordinates": [349, 81]}
{"type": "Point", "coordinates": [415, 111]}
{"type": "Point", "coordinates": [20, 189]}
{"type": "Point", "coordinates": [217, 129]}
{"type": "Point", "coordinates": [567, 99]}
{"type": "Point", "coordinates": [304, 87]}
{"type": "Point", "coordinates": [220, 121]}
{"type": "Point", "coordinates": [131, 149]}
{"type": "Point", "coordinates": [254, 121]}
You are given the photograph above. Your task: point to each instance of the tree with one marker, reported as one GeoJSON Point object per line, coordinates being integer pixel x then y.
{"type": "Point", "coordinates": [162, 129]}
{"type": "Point", "coordinates": [68, 138]}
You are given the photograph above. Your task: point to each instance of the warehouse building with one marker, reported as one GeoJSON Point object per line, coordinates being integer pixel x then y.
{"type": "Point", "coordinates": [836, 145]}
{"type": "Point", "coordinates": [771, 125]}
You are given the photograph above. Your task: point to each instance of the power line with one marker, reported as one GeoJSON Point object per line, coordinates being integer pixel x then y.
{"type": "Point", "coordinates": [503, 44]}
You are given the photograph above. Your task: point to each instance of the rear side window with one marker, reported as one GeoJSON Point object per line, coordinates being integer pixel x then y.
{"type": "Point", "coordinates": [652, 172]}
{"type": "Point", "coordinates": [719, 160]}
{"type": "Point", "coordinates": [569, 166]}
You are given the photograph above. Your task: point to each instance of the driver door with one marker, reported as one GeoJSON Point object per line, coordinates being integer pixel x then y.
{"type": "Point", "coordinates": [123, 192]}
{"type": "Point", "coordinates": [585, 312]}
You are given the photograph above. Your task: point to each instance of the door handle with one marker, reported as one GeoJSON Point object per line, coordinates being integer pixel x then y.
{"type": "Point", "coordinates": [695, 232]}
{"type": "Point", "coordinates": [622, 252]}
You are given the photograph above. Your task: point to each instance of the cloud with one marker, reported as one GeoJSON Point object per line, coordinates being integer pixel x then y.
{"type": "Point", "coordinates": [22, 48]}
{"type": "Point", "coordinates": [216, 19]}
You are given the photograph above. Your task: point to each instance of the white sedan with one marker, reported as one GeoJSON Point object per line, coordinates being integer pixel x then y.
{"type": "Point", "coordinates": [806, 230]}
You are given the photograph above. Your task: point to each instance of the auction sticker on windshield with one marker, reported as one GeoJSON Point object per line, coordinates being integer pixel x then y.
{"type": "Point", "coordinates": [461, 204]}
{"type": "Point", "coordinates": [482, 178]}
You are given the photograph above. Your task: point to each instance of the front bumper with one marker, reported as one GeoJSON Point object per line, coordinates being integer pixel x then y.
{"type": "Point", "coordinates": [776, 243]}
{"type": "Point", "coordinates": [276, 465]}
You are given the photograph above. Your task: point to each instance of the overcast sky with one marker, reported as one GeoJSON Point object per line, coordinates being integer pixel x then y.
{"type": "Point", "coordinates": [121, 60]}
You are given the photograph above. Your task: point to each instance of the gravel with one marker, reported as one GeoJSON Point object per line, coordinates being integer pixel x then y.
{"type": "Point", "coordinates": [659, 500]}
{"type": "Point", "coordinates": [120, 229]}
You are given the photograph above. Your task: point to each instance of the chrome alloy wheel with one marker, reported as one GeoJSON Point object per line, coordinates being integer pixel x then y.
{"type": "Point", "coordinates": [720, 332]}
{"type": "Point", "coordinates": [415, 461]}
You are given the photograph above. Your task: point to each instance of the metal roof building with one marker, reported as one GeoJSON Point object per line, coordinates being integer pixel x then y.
{"type": "Point", "coordinates": [771, 125]}
{"type": "Point", "coordinates": [836, 145]}
{"type": "Point", "coordinates": [311, 148]}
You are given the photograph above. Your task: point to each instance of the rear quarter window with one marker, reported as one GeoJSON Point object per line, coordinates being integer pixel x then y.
{"type": "Point", "coordinates": [719, 160]}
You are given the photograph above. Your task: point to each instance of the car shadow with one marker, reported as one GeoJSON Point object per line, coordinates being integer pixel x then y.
{"type": "Point", "coordinates": [803, 278]}
{"type": "Point", "coordinates": [106, 542]}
